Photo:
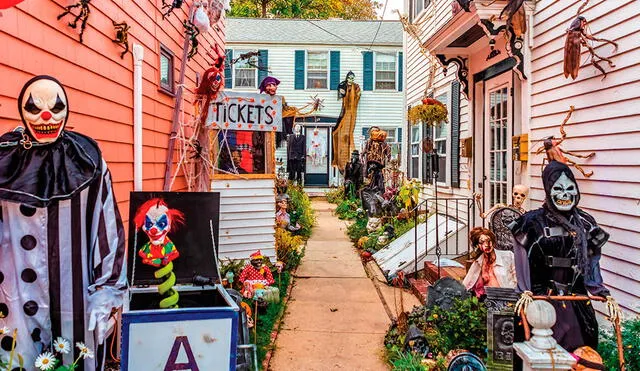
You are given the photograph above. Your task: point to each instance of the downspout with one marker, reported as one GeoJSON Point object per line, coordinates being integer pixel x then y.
{"type": "Point", "coordinates": [138, 55]}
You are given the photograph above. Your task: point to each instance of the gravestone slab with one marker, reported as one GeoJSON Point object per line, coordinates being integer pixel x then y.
{"type": "Point", "coordinates": [500, 305]}
{"type": "Point", "coordinates": [444, 291]}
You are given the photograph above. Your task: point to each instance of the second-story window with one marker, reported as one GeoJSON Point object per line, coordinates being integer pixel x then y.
{"type": "Point", "coordinates": [385, 71]}
{"type": "Point", "coordinates": [317, 70]}
{"type": "Point", "coordinates": [245, 71]}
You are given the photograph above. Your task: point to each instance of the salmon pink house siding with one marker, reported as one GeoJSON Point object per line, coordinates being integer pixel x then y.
{"type": "Point", "coordinates": [606, 120]}
{"type": "Point", "coordinates": [99, 82]}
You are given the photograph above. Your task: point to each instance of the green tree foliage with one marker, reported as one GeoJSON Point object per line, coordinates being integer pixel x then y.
{"type": "Point", "coordinates": [307, 9]}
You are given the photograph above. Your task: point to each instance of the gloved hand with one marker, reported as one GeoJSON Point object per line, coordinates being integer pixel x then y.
{"type": "Point", "coordinates": [101, 303]}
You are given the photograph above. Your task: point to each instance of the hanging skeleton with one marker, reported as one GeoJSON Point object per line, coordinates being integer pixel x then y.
{"type": "Point", "coordinates": [82, 16]}
{"type": "Point", "coordinates": [554, 152]}
{"type": "Point", "coordinates": [175, 4]}
{"type": "Point", "coordinates": [122, 36]}
{"type": "Point", "coordinates": [192, 32]}
{"type": "Point", "coordinates": [578, 36]}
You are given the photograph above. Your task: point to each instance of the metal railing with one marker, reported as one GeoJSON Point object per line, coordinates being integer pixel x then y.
{"type": "Point", "coordinates": [458, 214]}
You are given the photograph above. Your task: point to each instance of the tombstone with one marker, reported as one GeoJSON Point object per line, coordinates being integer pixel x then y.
{"type": "Point", "coordinates": [444, 291]}
{"type": "Point", "coordinates": [500, 327]}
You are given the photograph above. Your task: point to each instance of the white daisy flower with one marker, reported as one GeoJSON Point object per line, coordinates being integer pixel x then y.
{"type": "Point", "coordinates": [45, 361]}
{"type": "Point", "coordinates": [61, 345]}
{"type": "Point", "coordinates": [85, 352]}
{"type": "Point", "coordinates": [4, 330]}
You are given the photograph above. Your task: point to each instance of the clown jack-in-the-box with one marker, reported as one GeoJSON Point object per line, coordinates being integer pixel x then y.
{"type": "Point", "coordinates": [169, 323]}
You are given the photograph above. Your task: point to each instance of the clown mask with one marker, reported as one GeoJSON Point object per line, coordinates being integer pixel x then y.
{"type": "Point", "coordinates": [44, 108]}
{"type": "Point", "coordinates": [157, 224]}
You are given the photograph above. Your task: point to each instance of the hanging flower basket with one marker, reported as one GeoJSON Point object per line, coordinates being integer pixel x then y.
{"type": "Point", "coordinates": [430, 112]}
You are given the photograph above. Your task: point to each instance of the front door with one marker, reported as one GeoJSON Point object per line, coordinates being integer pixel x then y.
{"type": "Point", "coordinates": [317, 165]}
{"type": "Point", "coordinates": [497, 140]}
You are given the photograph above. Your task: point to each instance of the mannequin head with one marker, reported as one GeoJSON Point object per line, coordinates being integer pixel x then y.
{"type": "Point", "coordinates": [297, 129]}
{"type": "Point", "coordinates": [269, 85]}
{"type": "Point", "coordinates": [256, 259]}
{"type": "Point", "coordinates": [44, 108]}
{"type": "Point", "coordinates": [355, 156]}
{"type": "Point", "coordinates": [482, 239]}
{"type": "Point", "coordinates": [351, 77]}
{"type": "Point", "coordinates": [562, 192]}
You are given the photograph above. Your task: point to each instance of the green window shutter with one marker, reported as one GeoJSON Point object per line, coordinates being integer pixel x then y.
{"type": "Point", "coordinates": [399, 135]}
{"type": "Point", "coordinates": [365, 131]}
{"type": "Point", "coordinates": [299, 69]}
{"type": "Point", "coordinates": [228, 74]}
{"type": "Point", "coordinates": [334, 79]}
{"type": "Point", "coordinates": [455, 134]}
{"type": "Point", "coordinates": [400, 71]}
{"type": "Point", "coordinates": [367, 67]}
{"type": "Point", "coordinates": [263, 63]}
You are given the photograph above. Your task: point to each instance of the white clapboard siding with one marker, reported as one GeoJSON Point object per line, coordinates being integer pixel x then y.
{"type": "Point", "coordinates": [606, 121]}
{"type": "Point", "coordinates": [247, 217]}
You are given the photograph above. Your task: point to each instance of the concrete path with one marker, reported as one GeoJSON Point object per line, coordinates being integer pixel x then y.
{"type": "Point", "coordinates": [335, 319]}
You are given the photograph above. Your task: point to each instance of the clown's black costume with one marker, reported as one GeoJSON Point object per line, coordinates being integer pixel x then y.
{"type": "Point", "coordinates": [61, 237]}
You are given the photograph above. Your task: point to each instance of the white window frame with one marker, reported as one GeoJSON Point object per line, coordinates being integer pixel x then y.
{"type": "Point", "coordinates": [417, 14]}
{"type": "Point", "coordinates": [306, 69]}
{"type": "Point", "coordinates": [375, 70]}
{"type": "Point", "coordinates": [411, 128]}
{"type": "Point", "coordinates": [446, 91]}
{"type": "Point", "coordinates": [255, 70]}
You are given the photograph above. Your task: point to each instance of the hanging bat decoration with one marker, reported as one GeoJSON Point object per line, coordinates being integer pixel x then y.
{"type": "Point", "coordinates": [122, 36]}
{"type": "Point", "coordinates": [516, 17]}
{"type": "Point", "coordinates": [175, 4]}
{"type": "Point", "coordinates": [82, 16]}
{"type": "Point", "coordinates": [192, 33]}
{"type": "Point", "coordinates": [578, 36]}
{"type": "Point", "coordinates": [554, 152]}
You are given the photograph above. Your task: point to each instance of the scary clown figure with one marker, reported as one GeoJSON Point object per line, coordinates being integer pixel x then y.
{"type": "Point", "coordinates": [62, 267]}
{"type": "Point", "coordinates": [156, 220]}
{"type": "Point", "coordinates": [256, 275]}
{"type": "Point", "coordinates": [557, 252]}
{"type": "Point", "coordinates": [492, 268]}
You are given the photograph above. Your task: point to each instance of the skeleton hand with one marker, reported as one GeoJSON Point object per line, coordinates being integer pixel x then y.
{"type": "Point", "coordinates": [526, 298]}
{"type": "Point", "coordinates": [615, 313]}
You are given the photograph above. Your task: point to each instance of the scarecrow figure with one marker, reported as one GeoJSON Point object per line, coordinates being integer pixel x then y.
{"type": "Point", "coordinates": [557, 251]}
{"type": "Point", "coordinates": [342, 135]}
{"type": "Point", "coordinates": [62, 269]}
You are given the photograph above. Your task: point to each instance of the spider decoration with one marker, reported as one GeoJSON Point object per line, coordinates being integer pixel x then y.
{"type": "Point", "coordinates": [554, 152]}
{"type": "Point", "coordinates": [175, 4]}
{"type": "Point", "coordinates": [82, 16]}
{"type": "Point", "coordinates": [578, 36]}
{"type": "Point", "coordinates": [122, 36]}
{"type": "Point", "coordinates": [249, 58]}
{"type": "Point", "coordinates": [192, 32]}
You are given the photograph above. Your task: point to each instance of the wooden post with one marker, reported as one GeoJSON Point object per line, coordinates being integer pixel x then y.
{"type": "Point", "coordinates": [176, 110]}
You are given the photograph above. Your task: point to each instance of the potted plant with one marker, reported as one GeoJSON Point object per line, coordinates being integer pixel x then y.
{"type": "Point", "coordinates": [431, 112]}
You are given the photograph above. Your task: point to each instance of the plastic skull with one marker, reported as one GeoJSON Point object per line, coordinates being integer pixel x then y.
{"type": "Point", "coordinates": [520, 193]}
{"type": "Point", "coordinates": [564, 193]}
{"type": "Point", "coordinates": [44, 108]}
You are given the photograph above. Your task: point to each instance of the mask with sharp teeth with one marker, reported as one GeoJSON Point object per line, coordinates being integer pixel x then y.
{"type": "Point", "coordinates": [44, 109]}
{"type": "Point", "coordinates": [560, 186]}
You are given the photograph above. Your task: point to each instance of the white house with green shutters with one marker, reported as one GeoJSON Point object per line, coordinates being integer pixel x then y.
{"type": "Point", "coordinates": [310, 58]}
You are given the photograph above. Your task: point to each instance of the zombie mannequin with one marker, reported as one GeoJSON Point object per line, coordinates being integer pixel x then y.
{"type": "Point", "coordinates": [296, 154]}
{"type": "Point", "coordinates": [492, 268]}
{"type": "Point", "coordinates": [557, 251]}
{"type": "Point", "coordinates": [62, 268]}
{"type": "Point", "coordinates": [353, 175]}
{"type": "Point", "coordinates": [283, 219]}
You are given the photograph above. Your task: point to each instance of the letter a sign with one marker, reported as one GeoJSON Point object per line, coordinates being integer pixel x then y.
{"type": "Point", "coordinates": [181, 342]}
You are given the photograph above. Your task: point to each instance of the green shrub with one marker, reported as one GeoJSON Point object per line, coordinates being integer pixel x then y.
{"type": "Point", "coordinates": [608, 348]}
{"type": "Point", "coordinates": [300, 210]}
{"type": "Point", "coordinates": [335, 195]}
{"type": "Point", "coordinates": [357, 229]}
{"type": "Point", "coordinates": [288, 248]}
{"type": "Point", "coordinates": [347, 209]}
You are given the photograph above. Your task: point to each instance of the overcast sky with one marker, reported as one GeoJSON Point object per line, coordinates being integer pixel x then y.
{"type": "Point", "coordinates": [392, 5]}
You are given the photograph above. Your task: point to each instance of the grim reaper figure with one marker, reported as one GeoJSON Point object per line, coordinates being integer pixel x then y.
{"type": "Point", "coordinates": [557, 251]}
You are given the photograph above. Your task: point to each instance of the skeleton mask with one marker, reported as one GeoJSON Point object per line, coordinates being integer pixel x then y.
{"type": "Point", "coordinates": [297, 129]}
{"type": "Point", "coordinates": [520, 193]}
{"type": "Point", "coordinates": [564, 193]}
{"type": "Point", "coordinates": [43, 108]}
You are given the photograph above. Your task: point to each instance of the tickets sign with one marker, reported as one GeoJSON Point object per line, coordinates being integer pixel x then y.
{"type": "Point", "coordinates": [245, 111]}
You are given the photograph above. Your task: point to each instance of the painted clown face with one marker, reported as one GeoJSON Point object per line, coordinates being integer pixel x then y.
{"type": "Point", "coordinates": [157, 224]}
{"type": "Point", "coordinates": [44, 108]}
